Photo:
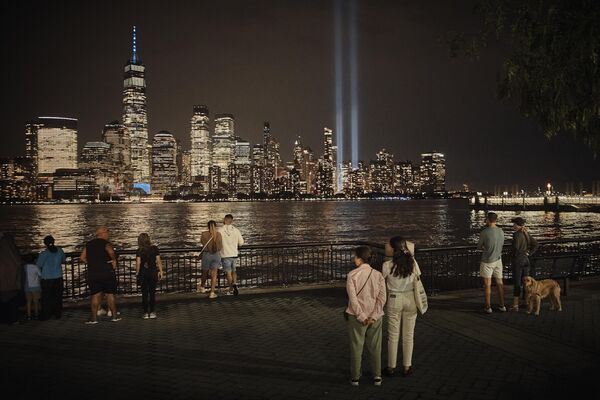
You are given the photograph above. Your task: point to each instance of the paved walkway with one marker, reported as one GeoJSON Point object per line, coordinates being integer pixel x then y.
{"type": "Point", "coordinates": [292, 345]}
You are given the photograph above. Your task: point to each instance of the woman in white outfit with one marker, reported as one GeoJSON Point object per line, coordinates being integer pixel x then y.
{"type": "Point", "coordinates": [400, 273]}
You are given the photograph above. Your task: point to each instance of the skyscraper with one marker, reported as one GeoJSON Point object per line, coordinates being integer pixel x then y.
{"type": "Point", "coordinates": [433, 172]}
{"type": "Point", "coordinates": [200, 144]}
{"type": "Point", "coordinates": [135, 118]}
{"type": "Point", "coordinates": [223, 145]}
{"type": "Point", "coordinates": [326, 172]}
{"type": "Point", "coordinates": [164, 163]}
{"type": "Point", "coordinates": [119, 140]}
{"type": "Point", "coordinates": [56, 145]}
{"type": "Point", "coordinates": [240, 170]}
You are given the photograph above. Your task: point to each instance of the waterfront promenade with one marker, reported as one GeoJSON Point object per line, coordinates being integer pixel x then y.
{"type": "Point", "coordinates": [271, 344]}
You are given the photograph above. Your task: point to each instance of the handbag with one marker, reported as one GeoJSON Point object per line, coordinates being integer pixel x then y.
{"type": "Point", "coordinates": [361, 289]}
{"type": "Point", "coordinates": [420, 295]}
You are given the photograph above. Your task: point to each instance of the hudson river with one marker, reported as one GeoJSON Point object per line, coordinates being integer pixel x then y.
{"type": "Point", "coordinates": [427, 222]}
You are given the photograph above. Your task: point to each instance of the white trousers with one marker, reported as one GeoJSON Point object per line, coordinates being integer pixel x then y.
{"type": "Point", "coordinates": [402, 314]}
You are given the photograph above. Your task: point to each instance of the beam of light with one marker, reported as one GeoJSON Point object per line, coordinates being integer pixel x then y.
{"type": "Point", "coordinates": [353, 83]}
{"type": "Point", "coordinates": [339, 93]}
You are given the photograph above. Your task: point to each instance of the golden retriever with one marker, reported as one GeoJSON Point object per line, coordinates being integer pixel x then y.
{"type": "Point", "coordinates": [538, 290]}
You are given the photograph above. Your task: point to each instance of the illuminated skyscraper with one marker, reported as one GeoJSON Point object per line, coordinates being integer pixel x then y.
{"type": "Point", "coordinates": [272, 158]}
{"type": "Point", "coordinates": [201, 144]}
{"type": "Point", "coordinates": [223, 145]}
{"type": "Point", "coordinates": [433, 172]}
{"type": "Point", "coordinates": [118, 138]}
{"type": "Point", "coordinates": [240, 170]}
{"type": "Point", "coordinates": [56, 145]}
{"type": "Point", "coordinates": [135, 118]}
{"type": "Point", "coordinates": [326, 169]}
{"type": "Point", "coordinates": [164, 163]}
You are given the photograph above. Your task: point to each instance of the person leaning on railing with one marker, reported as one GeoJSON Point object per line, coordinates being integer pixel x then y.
{"type": "Point", "coordinates": [366, 298]}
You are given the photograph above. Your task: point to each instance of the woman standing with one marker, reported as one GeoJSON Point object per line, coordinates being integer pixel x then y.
{"type": "Point", "coordinates": [149, 269]}
{"type": "Point", "coordinates": [212, 244]}
{"type": "Point", "coordinates": [366, 294]}
{"type": "Point", "coordinates": [50, 263]}
{"type": "Point", "coordinates": [400, 273]}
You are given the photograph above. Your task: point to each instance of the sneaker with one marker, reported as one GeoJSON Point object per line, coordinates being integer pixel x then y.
{"type": "Point", "coordinates": [407, 371]}
{"type": "Point", "coordinates": [235, 290]}
{"type": "Point", "coordinates": [514, 308]}
{"type": "Point", "coordinates": [229, 293]}
{"type": "Point", "coordinates": [203, 290]}
{"type": "Point", "coordinates": [116, 319]}
{"type": "Point", "coordinates": [354, 382]}
{"type": "Point", "coordinates": [146, 316]}
{"type": "Point", "coordinates": [377, 381]}
{"type": "Point", "coordinates": [152, 315]}
{"type": "Point", "coordinates": [389, 371]}
{"type": "Point", "coordinates": [90, 322]}
{"type": "Point", "coordinates": [101, 312]}
{"type": "Point", "coordinates": [212, 295]}
{"type": "Point", "coordinates": [502, 309]}
{"type": "Point", "coordinates": [109, 314]}
{"type": "Point", "coordinates": [488, 310]}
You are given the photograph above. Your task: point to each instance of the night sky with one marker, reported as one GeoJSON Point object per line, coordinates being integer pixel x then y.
{"type": "Point", "coordinates": [274, 60]}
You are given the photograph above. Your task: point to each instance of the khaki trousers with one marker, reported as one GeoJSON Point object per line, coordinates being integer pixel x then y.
{"type": "Point", "coordinates": [402, 313]}
{"type": "Point", "coordinates": [361, 335]}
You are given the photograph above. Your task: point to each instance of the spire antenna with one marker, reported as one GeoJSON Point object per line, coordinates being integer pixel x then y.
{"type": "Point", "coordinates": [134, 49]}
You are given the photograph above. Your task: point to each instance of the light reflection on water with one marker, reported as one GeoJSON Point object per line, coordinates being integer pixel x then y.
{"type": "Point", "coordinates": [428, 222]}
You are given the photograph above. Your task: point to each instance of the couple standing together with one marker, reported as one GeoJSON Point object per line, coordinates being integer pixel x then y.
{"type": "Point", "coordinates": [220, 250]}
{"type": "Point", "coordinates": [369, 291]}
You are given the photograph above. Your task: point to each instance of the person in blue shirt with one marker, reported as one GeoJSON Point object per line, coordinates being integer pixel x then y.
{"type": "Point", "coordinates": [50, 263]}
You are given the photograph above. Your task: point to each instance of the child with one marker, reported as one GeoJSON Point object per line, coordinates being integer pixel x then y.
{"type": "Point", "coordinates": [32, 286]}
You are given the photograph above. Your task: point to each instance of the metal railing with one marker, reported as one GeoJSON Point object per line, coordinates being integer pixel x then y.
{"type": "Point", "coordinates": [445, 268]}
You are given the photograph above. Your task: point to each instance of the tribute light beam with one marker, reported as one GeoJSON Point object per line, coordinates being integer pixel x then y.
{"type": "Point", "coordinates": [353, 84]}
{"type": "Point", "coordinates": [339, 87]}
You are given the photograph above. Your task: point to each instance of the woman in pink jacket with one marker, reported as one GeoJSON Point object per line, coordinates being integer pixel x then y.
{"type": "Point", "coordinates": [366, 294]}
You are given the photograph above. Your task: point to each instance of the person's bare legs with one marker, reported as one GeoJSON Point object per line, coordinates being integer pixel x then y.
{"type": "Point", "coordinates": [487, 283]}
{"type": "Point", "coordinates": [203, 279]}
{"type": "Point", "coordinates": [112, 306]}
{"type": "Point", "coordinates": [95, 303]}
{"type": "Point", "coordinates": [500, 288]}
{"type": "Point", "coordinates": [213, 279]}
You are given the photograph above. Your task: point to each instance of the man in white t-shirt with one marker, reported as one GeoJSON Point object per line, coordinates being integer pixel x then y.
{"type": "Point", "coordinates": [232, 239]}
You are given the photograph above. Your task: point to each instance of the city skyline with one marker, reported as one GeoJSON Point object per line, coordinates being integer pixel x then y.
{"type": "Point", "coordinates": [401, 121]}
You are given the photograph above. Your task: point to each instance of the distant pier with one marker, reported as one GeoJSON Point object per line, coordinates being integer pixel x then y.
{"type": "Point", "coordinates": [554, 203]}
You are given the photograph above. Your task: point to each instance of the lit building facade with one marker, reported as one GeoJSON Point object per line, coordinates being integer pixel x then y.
{"type": "Point", "coordinates": [119, 140]}
{"type": "Point", "coordinates": [135, 117]}
{"type": "Point", "coordinates": [74, 184]}
{"type": "Point", "coordinates": [433, 172]}
{"type": "Point", "coordinates": [200, 144]}
{"type": "Point", "coordinates": [240, 171]}
{"type": "Point", "coordinates": [223, 145]}
{"type": "Point", "coordinates": [56, 144]}
{"type": "Point", "coordinates": [164, 163]}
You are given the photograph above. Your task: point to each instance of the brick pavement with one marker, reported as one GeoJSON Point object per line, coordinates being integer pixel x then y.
{"type": "Point", "coordinates": [292, 345]}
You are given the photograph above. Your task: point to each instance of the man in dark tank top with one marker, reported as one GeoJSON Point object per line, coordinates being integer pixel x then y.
{"type": "Point", "coordinates": [101, 261]}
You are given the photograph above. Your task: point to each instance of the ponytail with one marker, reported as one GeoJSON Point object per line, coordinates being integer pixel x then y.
{"type": "Point", "coordinates": [49, 242]}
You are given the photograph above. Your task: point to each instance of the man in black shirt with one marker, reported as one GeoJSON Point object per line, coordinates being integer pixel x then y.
{"type": "Point", "coordinates": [100, 257]}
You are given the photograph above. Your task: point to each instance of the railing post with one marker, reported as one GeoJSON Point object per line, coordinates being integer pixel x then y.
{"type": "Point", "coordinates": [331, 260]}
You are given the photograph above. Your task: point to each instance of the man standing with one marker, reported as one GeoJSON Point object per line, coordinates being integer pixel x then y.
{"type": "Point", "coordinates": [102, 263]}
{"type": "Point", "coordinates": [232, 239]}
{"type": "Point", "coordinates": [491, 242]}
{"type": "Point", "coordinates": [523, 246]}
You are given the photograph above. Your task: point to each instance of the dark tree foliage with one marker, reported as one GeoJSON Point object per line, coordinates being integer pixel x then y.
{"type": "Point", "coordinates": [552, 71]}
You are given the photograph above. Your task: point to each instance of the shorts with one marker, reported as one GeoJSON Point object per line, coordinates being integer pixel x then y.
{"type": "Point", "coordinates": [228, 264]}
{"type": "Point", "coordinates": [107, 285]}
{"type": "Point", "coordinates": [211, 261]}
{"type": "Point", "coordinates": [32, 289]}
{"type": "Point", "coordinates": [493, 269]}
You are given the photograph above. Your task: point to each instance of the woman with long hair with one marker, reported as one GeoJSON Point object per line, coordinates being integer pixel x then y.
{"type": "Point", "coordinates": [366, 294]}
{"type": "Point", "coordinates": [50, 263]}
{"type": "Point", "coordinates": [212, 244]}
{"type": "Point", "coordinates": [400, 273]}
{"type": "Point", "coordinates": [149, 269]}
